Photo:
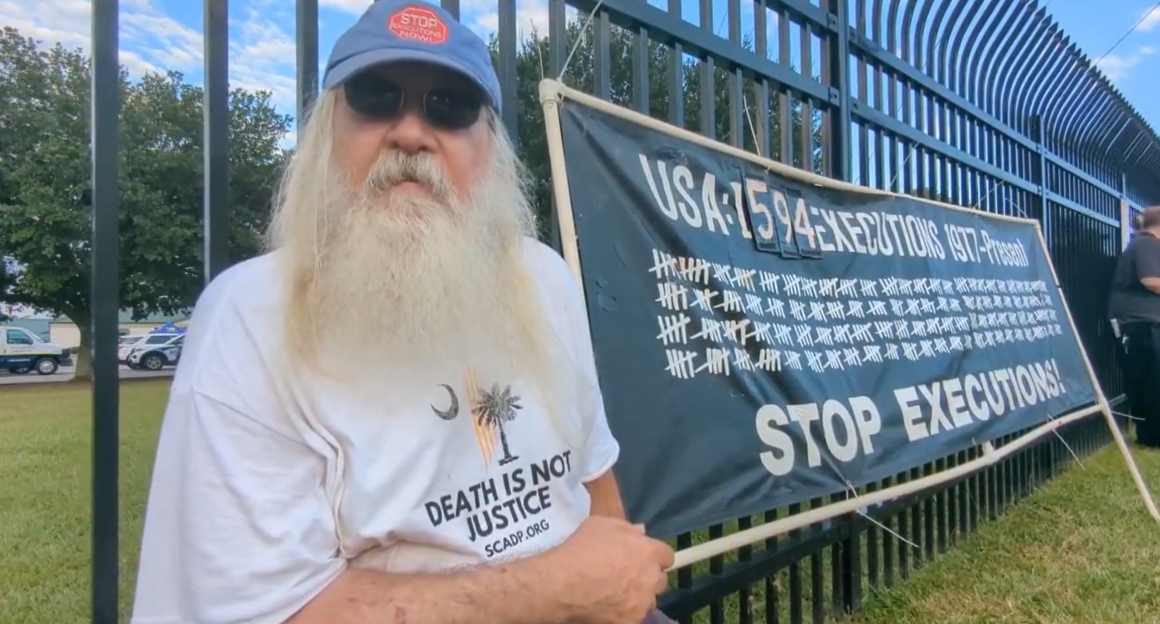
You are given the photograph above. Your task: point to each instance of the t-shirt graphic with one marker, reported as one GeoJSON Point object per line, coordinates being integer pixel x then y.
{"type": "Point", "coordinates": [511, 504]}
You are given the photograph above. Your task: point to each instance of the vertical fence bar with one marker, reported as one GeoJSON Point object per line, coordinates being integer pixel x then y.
{"type": "Point", "coordinates": [507, 67]}
{"type": "Point", "coordinates": [796, 615]}
{"type": "Point", "coordinates": [601, 55]}
{"type": "Point", "coordinates": [708, 101]}
{"type": "Point", "coordinates": [736, 80]}
{"type": "Point", "coordinates": [760, 108]}
{"type": "Point", "coordinates": [105, 295]}
{"type": "Point", "coordinates": [557, 36]}
{"type": "Point", "coordinates": [838, 22]}
{"type": "Point", "coordinates": [216, 210]}
{"type": "Point", "coordinates": [676, 75]}
{"type": "Point", "coordinates": [641, 98]}
{"type": "Point", "coordinates": [1125, 213]}
{"type": "Point", "coordinates": [784, 103]}
{"type": "Point", "coordinates": [1039, 176]}
{"type": "Point", "coordinates": [306, 49]}
{"type": "Point", "coordinates": [849, 564]}
{"type": "Point", "coordinates": [557, 54]}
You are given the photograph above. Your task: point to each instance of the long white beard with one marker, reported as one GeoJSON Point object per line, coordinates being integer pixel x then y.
{"type": "Point", "coordinates": [421, 286]}
{"type": "Point", "coordinates": [390, 289]}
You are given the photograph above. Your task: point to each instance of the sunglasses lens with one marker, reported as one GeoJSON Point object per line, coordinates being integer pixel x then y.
{"type": "Point", "coordinates": [452, 109]}
{"type": "Point", "coordinates": [373, 96]}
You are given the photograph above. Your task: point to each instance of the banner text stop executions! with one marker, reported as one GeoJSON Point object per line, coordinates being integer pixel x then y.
{"type": "Point", "coordinates": [762, 342]}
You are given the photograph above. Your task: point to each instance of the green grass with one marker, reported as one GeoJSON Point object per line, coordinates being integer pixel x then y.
{"type": "Point", "coordinates": [45, 502]}
{"type": "Point", "coordinates": [1080, 550]}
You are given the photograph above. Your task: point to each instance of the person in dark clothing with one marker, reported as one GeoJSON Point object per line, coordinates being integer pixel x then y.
{"type": "Point", "coordinates": [1134, 305]}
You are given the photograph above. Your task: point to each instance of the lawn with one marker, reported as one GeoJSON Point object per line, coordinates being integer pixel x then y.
{"type": "Point", "coordinates": [45, 502]}
{"type": "Point", "coordinates": [1081, 550]}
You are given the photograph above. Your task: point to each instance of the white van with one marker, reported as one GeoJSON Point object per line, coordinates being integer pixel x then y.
{"type": "Point", "coordinates": [22, 351]}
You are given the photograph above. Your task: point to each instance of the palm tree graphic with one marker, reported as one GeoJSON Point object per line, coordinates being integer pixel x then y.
{"type": "Point", "coordinates": [495, 407]}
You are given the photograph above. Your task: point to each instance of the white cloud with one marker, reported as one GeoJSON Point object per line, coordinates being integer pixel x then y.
{"type": "Point", "coordinates": [1151, 19]}
{"type": "Point", "coordinates": [64, 21]}
{"type": "Point", "coordinates": [150, 40]}
{"type": "Point", "coordinates": [160, 39]}
{"type": "Point", "coordinates": [1116, 67]}
{"type": "Point", "coordinates": [354, 7]}
{"type": "Point", "coordinates": [482, 16]}
{"type": "Point", "coordinates": [263, 57]}
{"type": "Point", "coordinates": [262, 54]}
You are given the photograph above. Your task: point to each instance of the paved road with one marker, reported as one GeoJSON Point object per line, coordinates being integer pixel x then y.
{"type": "Point", "coordinates": [66, 374]}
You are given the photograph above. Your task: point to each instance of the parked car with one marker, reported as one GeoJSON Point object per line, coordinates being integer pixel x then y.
{"type": "Point", "coordinates": [125, 346]}
{"type": "Point", "coordinates": [155, 351]}
{"type": "Point", "coordinates": [22, 351]}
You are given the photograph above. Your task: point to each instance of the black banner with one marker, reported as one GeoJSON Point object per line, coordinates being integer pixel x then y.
{"type": "Point", "coordinates": [762, 342]}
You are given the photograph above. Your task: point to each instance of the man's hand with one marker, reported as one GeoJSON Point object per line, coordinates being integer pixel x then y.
{"type": "Point", "coordinates": [610, 572]}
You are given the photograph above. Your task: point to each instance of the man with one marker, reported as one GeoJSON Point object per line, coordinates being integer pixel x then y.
{"type": "Point", "coordinates": [394, 416]}
{"type": "Point", "coordinates": [1135, 306]}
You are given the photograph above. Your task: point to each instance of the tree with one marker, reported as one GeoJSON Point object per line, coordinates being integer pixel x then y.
{"type": "Point", "coordinates": [532, 64]}
{"type": "Point", "coordinates": [496, 407]}
{"type": "Point", "coordinates": [45, 219]}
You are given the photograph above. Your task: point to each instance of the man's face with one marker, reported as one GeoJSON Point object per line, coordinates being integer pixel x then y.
{"type": "Point", "coordinates": [403, 223]}
{"type": "Point", "coordinates": [435, 103]}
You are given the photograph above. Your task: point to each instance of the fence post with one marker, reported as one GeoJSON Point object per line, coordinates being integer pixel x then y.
{"type": "Point", "coordinates": [1039, 175]}
{"type": "Point", "coordinates": [1125, 213]}
{"type": "Point", "coordinates": [838, 23]}
{"type": "Point", "coordinates": [216, 154]}
{"type": "Point", "coordinates": [557, 54]}
{"type": "Point", "coordinates": [306, 24]}
{"type": "Point", "coordinates": [105, 301]}
{"type": "Point", "coordinates": [838, 159]}
{"type": "Point", "coordinates": [507, 43]}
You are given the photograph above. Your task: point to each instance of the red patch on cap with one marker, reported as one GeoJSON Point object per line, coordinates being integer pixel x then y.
{"type": "Point", "coordinates": [418, 24]}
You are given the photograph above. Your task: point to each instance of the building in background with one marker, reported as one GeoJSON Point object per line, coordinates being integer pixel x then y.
{"type": "Point", "coordinates": [65, 333]}
{"type": "Point", "coordinates": [41, 325]}
{"type": "Point", "coordinates": [35, 321]}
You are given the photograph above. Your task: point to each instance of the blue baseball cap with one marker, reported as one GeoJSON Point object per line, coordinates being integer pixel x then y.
{"type": "Point", "coordinates": [392, 31]}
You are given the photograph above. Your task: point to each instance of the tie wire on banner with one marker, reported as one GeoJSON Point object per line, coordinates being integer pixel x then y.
{"type": "Point", "coordinates": [552, 96]}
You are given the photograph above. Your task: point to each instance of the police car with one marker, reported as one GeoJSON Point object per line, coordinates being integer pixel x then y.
{"type": "Point", "coordinates": [152, 352]}
{"type": "Point", "coordinates": [125, 346]}
{"type": "Point", "coordinates": [22, 351]}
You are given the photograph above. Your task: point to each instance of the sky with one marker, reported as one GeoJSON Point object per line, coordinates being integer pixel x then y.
{"type": "Point", "coordinates": [158, 35]}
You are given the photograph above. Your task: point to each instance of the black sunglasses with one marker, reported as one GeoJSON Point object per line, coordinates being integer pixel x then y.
{"type": "Point", "coordinates": [447, 108]}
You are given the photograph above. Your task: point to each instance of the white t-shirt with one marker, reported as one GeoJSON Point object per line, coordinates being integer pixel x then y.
{"type": "Point", "coordinates": [268, 483]}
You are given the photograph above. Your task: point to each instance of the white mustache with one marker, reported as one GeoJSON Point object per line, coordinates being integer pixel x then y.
{"type": "Point", "coordinates": [396, 167]}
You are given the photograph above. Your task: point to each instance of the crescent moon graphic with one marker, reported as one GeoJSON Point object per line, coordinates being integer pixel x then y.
{"type": "Point", "coordinates": [451, 412]}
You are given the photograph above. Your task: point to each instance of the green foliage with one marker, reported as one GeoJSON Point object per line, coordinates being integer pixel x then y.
{"type": "Point", "coordinates": [45, 217]}
{"type": "Point", "coordinates": [45, 168]}
{"type": "Point", "coordinates": [533, 63]}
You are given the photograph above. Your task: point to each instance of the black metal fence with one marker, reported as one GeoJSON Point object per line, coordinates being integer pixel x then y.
{"type": "Point", "coordinates": [983, 103]}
